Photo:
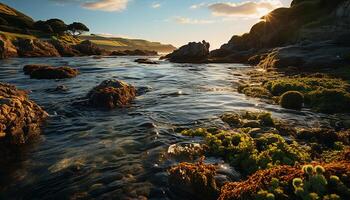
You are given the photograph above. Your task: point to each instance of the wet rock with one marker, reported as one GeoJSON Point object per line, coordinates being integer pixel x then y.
{"type": "Point", "coordinates": [111, 94]}
{"type": "Point", "coordinates": [64, 50]}
{"type": "Point", "coordinates": [50, 72]}
{"type": "Point", "coordinates": [136, 52]}
{"type": "Point", "coordinates": [35, 48]}
{"type": "Point", "coordinates": [7, 49]}
{"type": "Point", "coordinates": [193, 52]}
{"type": "Point", "coordinates": [20, 118]}
{"type": "Point", "coordinates": [88, 48]}
{"type": "Point", "coordinates": [146, 61]}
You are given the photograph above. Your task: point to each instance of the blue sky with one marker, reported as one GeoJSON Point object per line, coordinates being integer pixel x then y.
{"type": "Point", "coordinates": [169, 21]}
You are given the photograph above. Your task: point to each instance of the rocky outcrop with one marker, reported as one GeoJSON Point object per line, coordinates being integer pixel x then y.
{"type": "Point", "coordinates": [20, 118]}
{"type": "Point", "coordinates": [146, 61]}
{"type": "Point", "coordinates": [64, 50]}
{"type": "Point", "coordinates": [193, 52]}
{"type": "Point", "coordinates": [7, 49]}
{"type": "Point", "coordinates": [49, 72]}
{"type": "Point", "coordinates": [307, 57]}
{"type": "Point", "coordinates": [88, 48]}
{"type": "Point", "coordinates": [35, 48]}
{"type": "Point", "coordinates": [136, 52]}
{"type": "Point", "coordinates": [111, 94]}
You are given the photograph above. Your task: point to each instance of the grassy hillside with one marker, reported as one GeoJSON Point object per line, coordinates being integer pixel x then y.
{"type": "Point", "coordinates": [120, 44]}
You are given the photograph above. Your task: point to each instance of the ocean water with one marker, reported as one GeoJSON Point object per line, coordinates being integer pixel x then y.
{"type": "Point", "coordinates": [85, 153]}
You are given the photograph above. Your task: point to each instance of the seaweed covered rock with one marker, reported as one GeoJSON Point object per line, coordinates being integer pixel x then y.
{"type": "Point", "coordinates": [20, 118]}
{"type": "Point", "coordinates": [193, 52]}
{"type": "Point", "coordinates": [146, 61]}
{"type": "Point", "coordinates": [248, 119]}
{"type": "Point", "coordinates": [111, 94]}
{"type": "Point", "coordinates": [35, 48]}
{"type": "Point", "coordinates": [286, 182]}
{"type": "Point", "coordinates": [194, 180]}
{"type": "Point", "coordinates": [292, 100]}
{"type": "Point", "coordinates": [50, 72]}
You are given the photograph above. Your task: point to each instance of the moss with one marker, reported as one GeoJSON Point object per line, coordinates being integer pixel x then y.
{"type": "Point", "coordinates": [329, 100]}
{"type": "Point", "coordinates": [257, 92]}
{"type": "Point", "coordinates": [248, 119]}
{"type": "Point", "coordinates": [326, 137]}
{"type": "Point", "coordinates": [200, 132]}
{"type": "Point", "coordinates": [292, 100]}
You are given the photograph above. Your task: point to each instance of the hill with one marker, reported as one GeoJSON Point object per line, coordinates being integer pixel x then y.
{"type": "Point", "coordinates": [121, 44]}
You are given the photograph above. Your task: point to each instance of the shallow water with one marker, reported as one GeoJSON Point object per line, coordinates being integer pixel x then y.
{"type": "Point", "coordinates": [88, 153]}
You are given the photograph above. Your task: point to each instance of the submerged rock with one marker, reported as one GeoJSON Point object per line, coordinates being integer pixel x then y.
{"type": "Point", "coordinates": [50, 72]}
{"type": "Point", "coordinates": [193, 52]}
{"type": "Point", "coordinates": [35, 48]}
{"type": "Point", "coordinates": [146, 61]}
{"type": "Point", "coordinates": [111, 94]}
{"type": "Point", "coordinates": [20, 118]}
{"type": "Point", "coordinates": [136, 52]}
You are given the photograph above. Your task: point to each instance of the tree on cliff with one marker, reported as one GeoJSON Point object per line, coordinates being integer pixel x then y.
{"type": "Point", "coordinates": [58, 26]}
{"type": "Point", "coordinates": [78, 28]}
{"type": "Point", "coordinates": [43, 26]}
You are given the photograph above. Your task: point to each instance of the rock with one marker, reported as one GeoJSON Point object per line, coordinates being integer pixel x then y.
{"type": "Point", "coordinates": [20, 118]}
{"type": "Point", "coordinates": [136, 52]}
{"type": "Point", "coordinates": [111, 94]}
{"type": "Point", "coordinates": [50, 72]}
{"type": "Point", "coordinates": [64, 50]}
{"type": "Point", "coordinates": [7, 49]}
{"type": "Point", "coordinates": [35, 48]}
{"type": "Point", "coordinates": [88, 48]}
{"type": "Point", "coordinates": [315, 55]}
{"type": "Point", "coordinates": [146, 61]}
{"type": "Point", "coordinates": [191, 53]}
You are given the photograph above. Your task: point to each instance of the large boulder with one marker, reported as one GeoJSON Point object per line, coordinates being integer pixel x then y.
{"type": "Point", "coordinates": [7, 49]}
{"type": "Point", "coordinates": [35, 48]}
{"type": "Point", "coordinates": [64, 50]}
{"type": "Point", "coordinates": [306, 57]}
{"type": "Point", "coordinates": [20, 118]}
{"type": "Point", "coordinates": [111, 94]}
{"type": "Point", "coordinates": [49, 72]}
{"type": "Point", "coordinates": [88, 48]}
{"type": "Point", "coordinates": [193, 52]}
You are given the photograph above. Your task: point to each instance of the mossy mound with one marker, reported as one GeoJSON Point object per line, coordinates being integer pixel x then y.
{"type": "Point", "coordinates": [292, 100]}
{"type": "Point", "coordinates": [285, 182]}
{"type": "Point", "coordinates": [248, 119]}
{"type": "Point", "coordinates": [321, 92]}
{"type": "Point", "coordinates": [249, 154]}
{"type": "Point", "coordinates": [194, 179]}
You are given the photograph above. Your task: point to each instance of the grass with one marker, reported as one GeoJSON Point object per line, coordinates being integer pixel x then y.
{"type": "Point", "coordinates": [7, 10]}
{"type": "Point", "coordinates": [14, 36]}
{"type": "Point", "coordinates": [109, 43]}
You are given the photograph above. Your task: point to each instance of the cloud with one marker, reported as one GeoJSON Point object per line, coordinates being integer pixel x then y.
{"type": "Point", "coordinates": [156, 5]}
{"type": "Point", "coordinates": [185, 20]}
{"type": "Point", "coordinates": [106, 5]}
{"type": "Point", "coordinates": [244, 9]}
{"type": "Point", "coordinates": [200, 5]}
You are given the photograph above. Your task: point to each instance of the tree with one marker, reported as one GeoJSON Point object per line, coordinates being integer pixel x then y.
{"type": "Point", "coordinates": [43, 26]}
{"type": "Point", "coordinates": [78, 28]}
{"type": "Point", "coordinates": [58, 26]}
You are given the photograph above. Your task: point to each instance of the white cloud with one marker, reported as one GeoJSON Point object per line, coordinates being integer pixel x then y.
{"type": "Point", "coordinates": [185, 20]}
{"type": "Point", "coordinates": [156, 5]}
{"type": "Point", "coordinates": [244, 9]}
{"type": "Point", "coordinates": [107, 5]}
{"type": "Point", "coordinates": [200, 5]}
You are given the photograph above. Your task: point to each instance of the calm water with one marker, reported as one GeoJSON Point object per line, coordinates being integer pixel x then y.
{"type": "Point", "coordinates": [87, 153]}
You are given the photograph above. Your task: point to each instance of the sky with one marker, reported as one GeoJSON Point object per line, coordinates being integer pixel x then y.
{"type": "Point", "coordinates": [175, 22]}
